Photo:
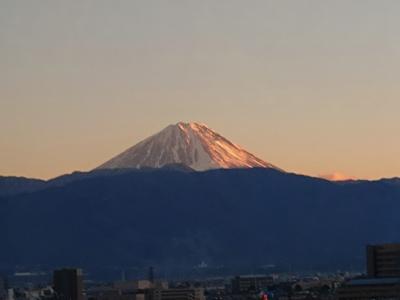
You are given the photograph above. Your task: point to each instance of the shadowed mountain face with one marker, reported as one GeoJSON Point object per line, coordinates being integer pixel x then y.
{"type": "Point", "coordinates": [191, 144]}
{"type": "Point", "coordinates": [170, 218]}
{"type": "Point", "coordinates": [17, 185]}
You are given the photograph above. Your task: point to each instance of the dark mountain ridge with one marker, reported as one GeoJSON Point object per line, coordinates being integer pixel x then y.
{"type": "Point", "coordinates": [172, 218]}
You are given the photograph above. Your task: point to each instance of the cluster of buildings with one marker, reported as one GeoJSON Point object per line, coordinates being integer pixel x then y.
{"type": "Point", "coordinates": [382, 282]}
{"type": "Point", "coordinates": [68, 284]}
{"type": "Point", "coordinates": [144, 290]}
{"type": "Point", "coordinates": [290, 287]}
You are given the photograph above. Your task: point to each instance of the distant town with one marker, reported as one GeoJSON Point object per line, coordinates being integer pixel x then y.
{"type": "Point", "coordinates": [381, 281]}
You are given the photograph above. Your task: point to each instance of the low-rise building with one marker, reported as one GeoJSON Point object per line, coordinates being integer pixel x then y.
{"type": "Point", "coordinates": [179, 294]}
{"type": "Point", "coordinates": [244, 284]}
{"type": "Point", "coordinates": [370, 289]}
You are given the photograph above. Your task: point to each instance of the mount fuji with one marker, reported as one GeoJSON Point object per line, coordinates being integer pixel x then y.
{"type": "Point", "coordinates": [193, 145]}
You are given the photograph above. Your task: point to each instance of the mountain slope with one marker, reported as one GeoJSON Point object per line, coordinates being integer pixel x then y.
{"type": "Point", "coordinates": [191, 144]}
{"type": "Point", "coordinates": [10, 185]}
{"type": "Point", "coordinates": [173, 219]}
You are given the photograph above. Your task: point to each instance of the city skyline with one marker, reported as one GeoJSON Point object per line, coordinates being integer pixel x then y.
{"type": "Point", "coordinates": [305, 85]}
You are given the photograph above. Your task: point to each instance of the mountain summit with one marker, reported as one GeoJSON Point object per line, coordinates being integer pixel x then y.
{"type": "Point", "coordinates": [191, 144]}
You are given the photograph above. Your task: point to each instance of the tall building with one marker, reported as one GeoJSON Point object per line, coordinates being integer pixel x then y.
{"type": "Point", "coordinates": [151, 274]}
{"type": "Point", "coordinates": [68, 284]}
{"type": "Point", "coordinates": [3, 289]}
{"type": "Point", "coordinates": [383, 260]}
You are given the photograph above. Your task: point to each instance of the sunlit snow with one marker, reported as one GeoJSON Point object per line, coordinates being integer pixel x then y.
{"type": "Point", "coordinates": [192, 144]}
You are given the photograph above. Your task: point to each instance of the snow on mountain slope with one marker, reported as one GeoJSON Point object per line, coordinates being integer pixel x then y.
{"type": "Point", "coordinates": [192, 144]}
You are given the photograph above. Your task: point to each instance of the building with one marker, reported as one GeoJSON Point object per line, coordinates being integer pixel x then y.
{"type": "Point", "coordinates": [383, 260]}
{"type": "Point", "coordinates": [250, 283]}
{"type": "Point", "coordinates": [179, 294]}
{"type": "Point", "coordinates": [133, 285]}
{"type": "Point", "coordinates": [151, 274]}
{"type": "Point", "coordinates": [68, 284]}
{"type": "Point", "coordinates": [111, 293]}
{"type": "Point", "coordinates": [370, 289]}
{"type": "Point", "coordinates": [3, 289]}
{"type": "Point", "coordinates": [383, 280]}
{"type": "Point", "coordinates": [126, 290]}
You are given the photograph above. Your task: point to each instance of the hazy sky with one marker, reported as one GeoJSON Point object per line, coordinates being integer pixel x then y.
{"type": "Point", "coordinates": [311, 86]}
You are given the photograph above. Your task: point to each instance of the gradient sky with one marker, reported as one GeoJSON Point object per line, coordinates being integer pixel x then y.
{"type": "Point", "coordinates": [311, 86]}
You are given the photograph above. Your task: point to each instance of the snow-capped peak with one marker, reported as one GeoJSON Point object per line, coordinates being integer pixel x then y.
{"type": "Point", "coordinates": [192, 144]}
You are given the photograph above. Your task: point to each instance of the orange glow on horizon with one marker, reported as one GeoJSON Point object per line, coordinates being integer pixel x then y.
{"type": "Point", "coordinates": [336, 176]}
